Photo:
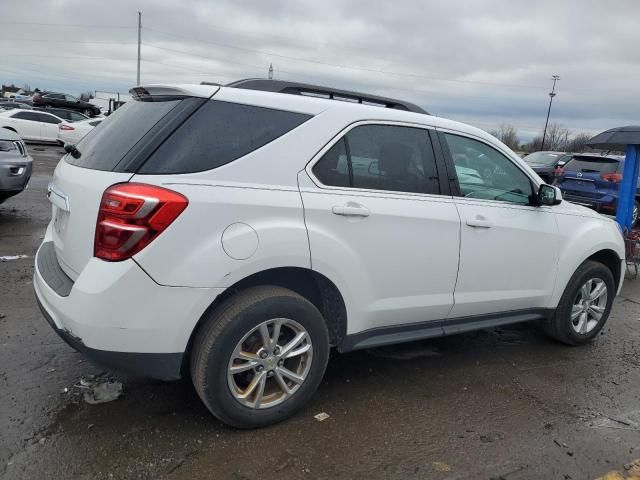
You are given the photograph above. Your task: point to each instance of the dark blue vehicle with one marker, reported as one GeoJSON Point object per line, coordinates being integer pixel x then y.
{"type": "Point", "coordinates": [593, 180]}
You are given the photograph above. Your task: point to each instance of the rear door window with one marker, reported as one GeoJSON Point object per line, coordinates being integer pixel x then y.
{"type": "Point", "coordinates": [33, 116]}
{"type": "Point", "coordinates": [48, 118]}
{"type": "Point", "coordinates": [381, 157]}
{"type": "Point", "coordinates": [592, 165]}
{"type": "Point", "coordinates": [219, 133]}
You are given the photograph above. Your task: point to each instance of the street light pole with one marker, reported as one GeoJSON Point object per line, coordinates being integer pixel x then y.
{"type": "Point", "coordinates": [552, 94]}
{"type": "Point", "coordinates": [139, 41]}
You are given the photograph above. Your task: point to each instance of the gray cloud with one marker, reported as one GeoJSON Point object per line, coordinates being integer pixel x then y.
{"type": "Point", "coordinates": [481, 62]}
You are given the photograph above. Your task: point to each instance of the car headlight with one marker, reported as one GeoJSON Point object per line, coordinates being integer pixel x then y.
{"type": "Point", "coordinates": [7, 146]}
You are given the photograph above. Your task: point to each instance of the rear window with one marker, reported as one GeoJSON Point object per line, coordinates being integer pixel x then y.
{"type": "Point", "coordinates": [219, 133]}
{"type": "Point", "coordinates": [592, 165]}
{"type": "Point", "coordinates": [103, 148]}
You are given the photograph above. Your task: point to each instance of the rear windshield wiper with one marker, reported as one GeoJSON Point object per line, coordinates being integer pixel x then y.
{"type": "Point", "coordinates": [71, 148]}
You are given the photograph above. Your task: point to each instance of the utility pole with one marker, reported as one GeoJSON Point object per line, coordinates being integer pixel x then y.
{"type": "Point", "coordinates": [139, 41]}
{"type": "Point", "coordinates": [552, 94]}
{"type": "Point", "coordinates": [271, 71]}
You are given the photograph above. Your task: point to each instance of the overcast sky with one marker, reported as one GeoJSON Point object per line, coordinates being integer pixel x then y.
{"type": "Point", "coordinates": [482, 62]}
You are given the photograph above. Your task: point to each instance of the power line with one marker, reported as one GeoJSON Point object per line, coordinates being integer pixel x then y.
{"type": "Point", "coordinates": [349, 67]}
{"type": "Point", "coordinates": [72, 25]}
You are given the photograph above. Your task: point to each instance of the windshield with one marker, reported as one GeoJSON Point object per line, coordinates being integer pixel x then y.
{"type": "Point", "coordinates": [592, 165]}
{"type": "Point", "coordinates": [544, 158]}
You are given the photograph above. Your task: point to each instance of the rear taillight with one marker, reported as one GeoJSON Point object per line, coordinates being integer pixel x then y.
{"type": "Point", "coordinates": [611, 177]}
{"type": "Point", "coordinates": [131, 216]}
{"type": "Point", "coordinates": [64, 126]}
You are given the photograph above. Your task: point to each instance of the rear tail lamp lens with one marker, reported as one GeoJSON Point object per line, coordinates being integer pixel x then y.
{"type": "Point", "coordinates": [64, 126]}
{"type": "Point", "coordinates": [131, 216]}
{"type": "Point", "coordinates": [612, 177]}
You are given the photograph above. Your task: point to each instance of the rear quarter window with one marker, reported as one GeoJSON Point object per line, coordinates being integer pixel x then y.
{"type": "Point", "coordinates": [219, 133]}
{"type": "Point", "coordinates": [103, 148]}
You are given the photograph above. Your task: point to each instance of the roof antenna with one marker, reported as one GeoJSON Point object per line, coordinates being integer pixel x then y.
{"type": "Point", "coordinates": [271, 71]}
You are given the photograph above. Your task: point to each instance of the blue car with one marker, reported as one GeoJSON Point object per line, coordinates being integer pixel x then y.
{"type": "Point", "coordinates": [593, 180]}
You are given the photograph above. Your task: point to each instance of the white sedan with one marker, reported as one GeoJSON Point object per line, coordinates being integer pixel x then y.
{"type": "Point", "coordinates": [73, 133]}
{"type": "Point", "coordinates": [32, 125]}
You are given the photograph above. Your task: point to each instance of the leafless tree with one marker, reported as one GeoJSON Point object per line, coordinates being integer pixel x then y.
{"type": "Point", "coordinates": [578, 142]}
{"type": "Point", "coordinates": [507, 134]}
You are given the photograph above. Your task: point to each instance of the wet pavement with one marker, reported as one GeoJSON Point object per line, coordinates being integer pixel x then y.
{"type": "Point", "coordinates": [506, 403]}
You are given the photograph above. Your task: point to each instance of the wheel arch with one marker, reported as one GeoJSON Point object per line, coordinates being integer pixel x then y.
{"type": "Point", "coordinates": [313, 286]}
{"type": "Point", "coordinates": [11, 128]}
{"type": "Point", "coordinates": [611, 260]}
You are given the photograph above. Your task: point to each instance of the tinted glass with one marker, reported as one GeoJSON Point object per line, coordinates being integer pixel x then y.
{"type": "Point", "coordinates": [48, 118]}
{"type": "Point", "coordinates": [544, 158]}
{"type": "Point", "coordinates": [70, 98]}
{"type": "Point", "coordinates": [592, 165]}
{"type": "Point", "coordinates": [219, 133]}
{"type": "Point", "coordinates": [485, 173]}
{"type": "Point", "coordinates": [75, 116]}
{"type": "Point", "coordinates": [27, 116]}
{"type": "Point", "coordinates": [55, 96]}
{"type": "Point", "coordinates": [104, 147]}
{"type": "Point", "coordinates": [393, 158]}
{"type": "Point", "coordinates": [333, 169]}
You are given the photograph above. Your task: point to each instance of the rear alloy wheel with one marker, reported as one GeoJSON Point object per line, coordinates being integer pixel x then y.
{"type": "Point", "coordinates": [88, 112]}
{"type": "Point", "coordinates": [259, 356]}
{"type": "Point", "coordinates": [270, 363]}
{"type": "Point", "coordinates": [634, 214]}
{"type": "Point", "coordinates": [585, 305]}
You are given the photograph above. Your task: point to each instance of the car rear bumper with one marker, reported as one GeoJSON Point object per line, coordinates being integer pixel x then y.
{"type": "Point", "coordinates": [605, 204]}
{"type": "Point", "coordinates": [117, 316]}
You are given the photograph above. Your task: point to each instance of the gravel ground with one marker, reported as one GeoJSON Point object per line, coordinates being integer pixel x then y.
{"type": "Point", "coordinates": [506, 403]}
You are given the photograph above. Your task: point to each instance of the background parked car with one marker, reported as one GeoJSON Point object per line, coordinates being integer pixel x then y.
{"type": "Point", "coordinates": [545, 163]}
{"type": "Point", "coordinates": [593, 180]}
{"type": "Point", "coordinates": [64, 113]}
{"type": "Point", "coordinates": [74, 133]}
{"type": "Point", "coordinates": [15, 164]}
{"type": "Point", "coordinates": [13, 105]}
{"type": "Point", "coordinates": [63, 100]}
{"type": "Point", "coordinates": [32, 124]}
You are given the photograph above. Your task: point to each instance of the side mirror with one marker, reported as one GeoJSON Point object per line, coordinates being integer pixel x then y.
{"type": "Point", "coordinates": [549, 195]}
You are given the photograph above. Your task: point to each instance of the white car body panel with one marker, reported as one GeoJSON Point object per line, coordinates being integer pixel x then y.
{"type": "Point", "coordinates": [399, 265]}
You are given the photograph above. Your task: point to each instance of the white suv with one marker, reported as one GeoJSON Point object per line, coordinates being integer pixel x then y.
{"type": "Point", "coordinates": [236, 235]}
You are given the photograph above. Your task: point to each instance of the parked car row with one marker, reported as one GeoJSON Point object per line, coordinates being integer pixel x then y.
{"type": "Point", "coordinates": [63, 100]}
{"type": "Point", "coordinates": [43, 126]}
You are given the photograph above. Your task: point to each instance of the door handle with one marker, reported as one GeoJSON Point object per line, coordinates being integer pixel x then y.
{"type": "Point", "coordinates": [351, 211]}
{"type": "Point", "coordinates": [479, 222]}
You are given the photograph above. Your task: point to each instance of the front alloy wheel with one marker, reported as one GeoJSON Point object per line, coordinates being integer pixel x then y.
{"type": "Point", "coordinates": [589, 305]}
{"type": "Point", "coordinates": [584, 306]}
{"type": "Point", "coordinates": [270, 363]}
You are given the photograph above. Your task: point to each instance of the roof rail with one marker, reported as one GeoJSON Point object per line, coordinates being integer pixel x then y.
{"type": "Point", "coordinates": [295, 88]}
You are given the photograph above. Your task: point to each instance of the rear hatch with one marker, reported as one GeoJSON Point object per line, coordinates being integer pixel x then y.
{"type": "Point", "coordinates": [590, 176]}
{"type": "Point", "coordinates": [110, 154]}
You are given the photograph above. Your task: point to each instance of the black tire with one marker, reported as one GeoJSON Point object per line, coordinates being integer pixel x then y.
{"type": "Point", "coordinates": [559, 326]}
{"type": "Point", "coordinates": [224, 328]}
